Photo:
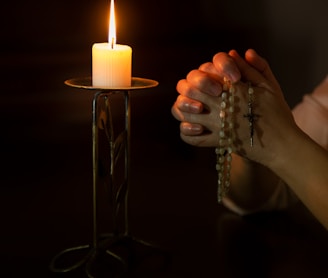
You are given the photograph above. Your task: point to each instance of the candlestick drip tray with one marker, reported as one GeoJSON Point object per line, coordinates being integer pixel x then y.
{"type": "Point", "coordinates": [137, 83]}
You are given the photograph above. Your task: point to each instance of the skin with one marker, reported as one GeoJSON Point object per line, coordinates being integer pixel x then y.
{"type": "Point", "coordinates": [281, 149]}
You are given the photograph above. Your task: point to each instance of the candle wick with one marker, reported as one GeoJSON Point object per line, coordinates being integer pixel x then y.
{"type": "Point", "coordinates": [112, 44]}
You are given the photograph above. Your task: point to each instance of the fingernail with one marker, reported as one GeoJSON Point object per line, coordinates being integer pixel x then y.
{"type": "Point", "coordinates": [233, 76]}
{"type": "Point", "coordinates": [193, 106]}
{"type": "Point", "coordinates": [191, 127]}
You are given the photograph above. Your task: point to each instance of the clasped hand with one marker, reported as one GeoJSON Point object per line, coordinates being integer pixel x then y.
{"type": "Point", "coordinates": [197, 106]}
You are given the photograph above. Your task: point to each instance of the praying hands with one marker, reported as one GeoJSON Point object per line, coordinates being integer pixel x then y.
{"type": "Point", "coordinates": [267, 158]}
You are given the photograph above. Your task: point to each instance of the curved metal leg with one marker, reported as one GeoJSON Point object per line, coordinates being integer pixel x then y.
{"type": "Point", "coordinates": [105, 245]}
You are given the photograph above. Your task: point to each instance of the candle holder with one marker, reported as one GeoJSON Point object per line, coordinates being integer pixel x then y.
{"type": "Point", "coordinates": [108, 246]}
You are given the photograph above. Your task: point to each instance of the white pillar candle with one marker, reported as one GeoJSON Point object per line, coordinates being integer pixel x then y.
{"type": "Point", "coordinates": [111, 62]}
{"type": "Point", "coordinates": [111, 67]}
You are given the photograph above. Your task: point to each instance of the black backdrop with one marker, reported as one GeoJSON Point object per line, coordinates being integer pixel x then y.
{"type": "Point", "coordinates": [46, 176]}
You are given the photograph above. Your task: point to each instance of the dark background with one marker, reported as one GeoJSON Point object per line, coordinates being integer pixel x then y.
{"type": "Point", "coordinates": [45, 141]}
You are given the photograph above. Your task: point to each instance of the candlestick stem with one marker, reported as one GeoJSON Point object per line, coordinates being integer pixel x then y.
{"type": "Point", "coordinates": [103, 244]}
{"type": "Point", "coordinates": [127, 157]}
{"type": "Point", "coordinates": [94, 166]}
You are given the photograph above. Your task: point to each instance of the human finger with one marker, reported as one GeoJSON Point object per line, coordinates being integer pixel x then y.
{"type": "Point", "coordinates": [190, 129]}
{"type": "Point", "coordinates": [203, 140]}
{"type": "Point", "coordinates": [261, 65]}
{"type": "Point", "coordinates": [210, 69]}
{"type": "Point", "coordinates": [182, 116]}
{"type": "Point", "coordinates": [186, 104]}
{"type": "Point", "coordinates": [249, 73]}
{"type": "Point", "coordinates": [185, 88]}
{"type": "Point", "coordinates": [204, 82]}
{"type": "Point", "coordinates": [226, 67]}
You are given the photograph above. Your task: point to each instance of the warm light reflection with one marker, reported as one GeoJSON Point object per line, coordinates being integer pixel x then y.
{"type": "Point", "coordinates": [112, 26]}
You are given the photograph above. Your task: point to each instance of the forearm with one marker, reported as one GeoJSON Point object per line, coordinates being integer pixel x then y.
{"type": "Point", "coordinates": [308, 176]}
{"type": "Point", "coordinates": [252, 184]}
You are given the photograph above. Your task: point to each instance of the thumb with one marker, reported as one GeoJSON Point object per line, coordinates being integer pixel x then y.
{"type": "Point", "coordinates": [250, 73]}
{"type": "Point", "coordinates": [261, 65]}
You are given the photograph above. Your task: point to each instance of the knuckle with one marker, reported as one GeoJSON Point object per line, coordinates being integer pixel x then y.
{"type": "Point", "coordinates": [206, 67]}
{"type": "Point", "coordinates": [185, 89]}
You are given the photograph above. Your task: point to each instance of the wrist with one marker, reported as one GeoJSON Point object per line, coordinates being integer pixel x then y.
{"type": "Point", "coordinates": [289, 151]}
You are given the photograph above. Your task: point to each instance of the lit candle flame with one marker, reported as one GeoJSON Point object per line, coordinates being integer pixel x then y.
{"type": "Point", "coordinates": [112, 26]}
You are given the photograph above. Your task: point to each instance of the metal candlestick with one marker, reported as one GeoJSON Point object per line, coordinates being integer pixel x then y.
{"type": "Point", "coordinates": [102, 119]}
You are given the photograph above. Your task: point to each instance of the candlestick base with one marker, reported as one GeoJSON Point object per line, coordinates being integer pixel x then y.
{"type": "Point", "coordinates": [118, 246]}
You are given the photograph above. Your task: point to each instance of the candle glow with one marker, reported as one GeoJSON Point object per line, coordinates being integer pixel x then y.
{"type": "Point", "coordinates": [111, 62]}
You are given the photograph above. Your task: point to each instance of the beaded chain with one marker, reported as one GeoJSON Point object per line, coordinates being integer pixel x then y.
{"type": "Point", "coordinates": [226, 138]}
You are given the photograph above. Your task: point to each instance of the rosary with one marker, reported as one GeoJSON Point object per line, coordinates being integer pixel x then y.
{"type": "Point", "coordinates": [227, 135]}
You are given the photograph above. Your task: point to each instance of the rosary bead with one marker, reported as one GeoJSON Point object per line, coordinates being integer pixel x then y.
{"type": "Point", "coordinates": [226, 137]}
